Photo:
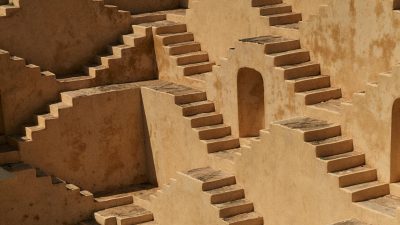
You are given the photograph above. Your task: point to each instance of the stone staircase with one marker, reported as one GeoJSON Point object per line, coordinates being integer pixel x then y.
{"type": "Point", "coordinates": [348, 166]}
{"type": "Point", "coordinates": [279, 16]}
{"type": "Point", "coordinates": [24, 171]}
{"type": "Point", "coordinates": [294, 64]}
{"type": "Point", "coordinates": [124, 215]}
{"type": "Point", "coordinates": [207, 123]}
{"type": "Point", "coordinates": [226, 197]}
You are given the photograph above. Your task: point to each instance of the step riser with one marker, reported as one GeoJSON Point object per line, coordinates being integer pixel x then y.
{"type": "Point", "coordinates": [192, 59]}
{"type": "Point", "coordinates": [184, 49]}
{"type": "Point", "coordinates": [345, 163]}
{"type": "Point", "coordinates": [255, 221]}
{"type": "Point", "coordinates": [236, 210]}
{"type": "Point", "coordinates": [357, 178]}
{"type": "Point", "coordinates": [177, 39]}
{"type": "Point", "coordinates": [293, 58]}
{"type": "Point", "coordinates": [312, 84]}
{"type": "Point", "coordinates": [187, 71]}
{"type": "Point", "coordinates": [205, 108]}
{"type": "Point", "coordinates": [282, 20]}
{"type": "Point", "coordinates": [316, 98]}
{"type": "Point", "coordinates": [282, 46]}
{"type": "Point", "coordinates": [189, 98]}
{"type": "Point", "coordinates": [207, 186]}
{"type": "Point", "coordinates": [207, 121]}
{"type": "Point", "coordinates": [258, 3]}
{"type": "Point", "coordinates": [371, 193]}
{"type": "Point", "coordinates": [215, 133]}
{"type": "Point", "coordinates": [223, 145]}
{"type": "Point", "coordinates": [322, 134]}
{"type": "Point", "coordinates": [275, 10]}
{"type": "Point", "coordinates": [228, 196]}
{"type": "Point", "coordinates": [334, 148]}
{"type": "Point", "coordinates": [310, 70]}
{"type": "Point", "coordinates": [179, 28]}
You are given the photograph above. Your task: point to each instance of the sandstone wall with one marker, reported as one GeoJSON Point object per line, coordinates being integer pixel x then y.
{"type": "Point", "coordinates": [97, 144]}
{"type": "Point", "coordinates": [61, 36]}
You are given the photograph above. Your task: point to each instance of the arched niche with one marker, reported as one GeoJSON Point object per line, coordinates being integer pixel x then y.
{"type": "Point", "coordinates": [250, 102]}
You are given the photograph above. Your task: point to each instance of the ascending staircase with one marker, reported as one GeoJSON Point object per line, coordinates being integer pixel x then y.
{"type": "Point", "coordinates": [207, 123]}
{"type": "Point", "coordinates": [344, 163]}
{"type": "Point", "coordinates": [294, 64]}
{"type": "Point", "coordinates": [227, 197]}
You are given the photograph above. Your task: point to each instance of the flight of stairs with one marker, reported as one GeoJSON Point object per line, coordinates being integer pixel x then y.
{"type": "Point", "coordinates": [344, 163]}
{"type": "Point", "coordinates": [207, 123]}
{"type": "Point", "coordinates": [26, 171]}
{"type": "Point", "coordinates": [226, 197]}
{"type": "Point", "coordinates": [294, 64]}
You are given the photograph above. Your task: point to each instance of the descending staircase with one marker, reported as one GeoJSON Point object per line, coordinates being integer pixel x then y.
{"type": "Point", "coordinates": [124, 215]}
{"type": "Point", "coordinates": [226, 197]}
{"type": "Point", "coordinates": [24, 171]}
{"type": "Point", "coordinates": [207, 123]}
{"type": "Point", "coordinates": [347, 165]}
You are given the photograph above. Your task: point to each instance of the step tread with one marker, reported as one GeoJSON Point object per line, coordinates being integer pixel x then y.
{"type": "Point", "coordinates": [342, 156]}
{"type": "Point", "coordinates": [243, 217]}
{"type": "Point", "coordinates": [363, 186]}
{"type": "Point", "coordinates": [305, 124]}
{"type": "Point", "coordinates": [226, 138]}
{"type": "Point", "coordinates": [197, 64]}
{"type": "Point", "coordinates": [194, 104]}
{"type": "Point", "coordinates": [191, 54]}
{"type": "Point", "coordinates": [295, 51]}
{"type": "Point", "coordinates": [284, 14]}
{"type": "Point", "coordinates": [321, 90]}
{"type": "Point", "coordinates": [387, 204]}
{"type": "Point", "coordinates": [125, 211]}
{"type": "Point", "coordinates": [208, 174]}
{"type": "Point", "coordinates": [211, 127]}
{"type": "Point", "coordinates": [225, 189]}
{"type": "Point", "coordinates": [331, 140]}
{"type": "Point", "coordinates": [183, 44]}
{"type": "Point", "coordinates": [358, 169]}
{"type": "Point", "coordinates": [300, 65]}
{"type": "Point", "coordinates": [234, 203]}
{"type": "Point", "coordinates": [201, 115]}
{"type": "Point", "coordinates": [175, 34]}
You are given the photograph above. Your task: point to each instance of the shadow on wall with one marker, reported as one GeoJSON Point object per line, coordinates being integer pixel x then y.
{"type": "Point", "coordinates": [250, 102]}
{"type": "Point", "coordinates": [396, 4]}
{"type": "Point", "coordinates": [145, 6]}
{"type": "Point", "coordinates": [2, 130]}
{"type": "Point", "coordinates": [395, 143]}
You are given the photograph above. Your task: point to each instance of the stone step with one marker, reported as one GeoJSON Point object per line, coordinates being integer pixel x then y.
{"type": "Point", "coordinates": [322, 133]}
{"type": "Point", "coordinates": [20, 169]}
{"type": "Point", "coordinates": [356, 175]}
{"type": "Point", "coordinates": [130, 39]}
{"type": "Point", "coordinates": [233, 208]}
{"type": "Point", "coordinates": [284, 18]}
{"type": "Point", "coordinates": [226, 194]}
{"type": "Point", "coordinates": [344, 161]}
{"type": "Point", "coordinates": [213, 132]}
{"type": "Point", "coordinates": [311, 83]}
{"type": "Point", "coordinates": [351, 222]}
{"type": "Point", "coordinates": [165, 27]}
{"type": "Point", "coordinates": [274, 44]}
{"type": "Point", "coordinates": [119, 50]}
{"type": "Point", "coordinates": [7, 10]}
{"type": "Point", "coordinates": [193, 96]}
{"type": "Point", "coordinates": [321, 95]}
{"type": "Point", "coordinates": [259, 3]}
{"type": "Point", "coordinates": [291, 57]}
{"type": "Point", "coordinates": [191, 58]}
{"type": "Point", "coordinates": [275, 9]}
{"type": "Point", "coordinates": [124, 215]}
{"type": "Point", "coordinates": [8, 155]}
{"type": "Point", "coordinates": [245, 219]}
{"type": "Point", "coordinates": [110, 201]}
{"type": "Point", "coordinates": [333, 146]}
{"type": "Point", "coordinates": [221, 144]}
{"type": "Point", "coordinates": [206, 119]}
{"type": "Point", "coordinates": [183, 48]}
{"type": "Point", "coordinates": [175, 38]}
{"type": "Point", "coordinates": [194, 108]}
{"type": "Point", "coordinates": [300, 70]}
{"type": "Point", "coordinates": [212, 179]}
{"type": "Point", "coordinates": [367, 191]}
{"type": "Point", "coordinates": [196, 68]}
